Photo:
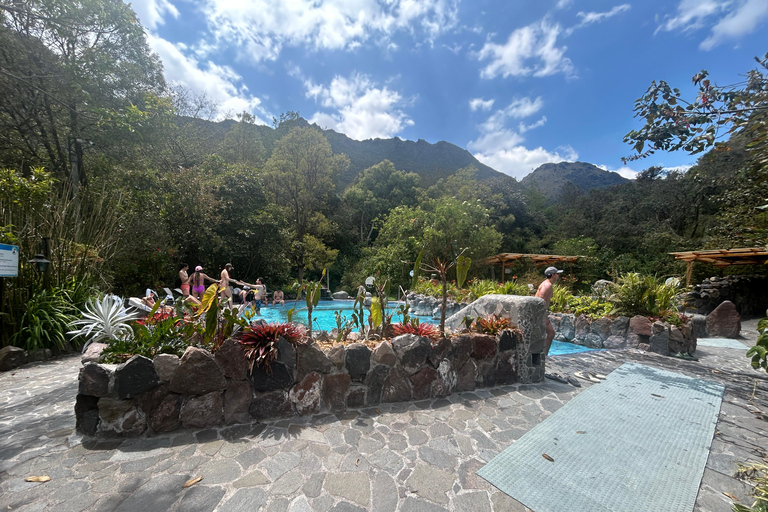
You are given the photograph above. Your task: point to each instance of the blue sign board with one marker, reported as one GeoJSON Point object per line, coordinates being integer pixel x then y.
{"type": "Point", "coordinates": [9, 260]}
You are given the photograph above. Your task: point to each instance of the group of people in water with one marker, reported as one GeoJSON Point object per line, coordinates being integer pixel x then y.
{"type": "Point", "coordinates": [193, 287]}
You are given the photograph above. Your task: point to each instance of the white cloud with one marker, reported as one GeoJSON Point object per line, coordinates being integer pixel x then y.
{"type": "Point", "coordinates": [678, 169]}
{"type": "Point", "coordinates": [727, 19]}
{"type": "Point", "coordinates": [743, 20]}
{"type": "Point", "coordinates": [152, 12]}
{"type": "Point", "coordinates": [588, 18]}
{"type": "Point", "coordinates": [360, 109]}
{"type": "Point", "coordinates": [502, 147]}
{"type": "Point", "coordinates": [261, 28]}
{"type": "Point", "coordinates": [480, 103]}
{"type": "Point", "coordinates": [562, 4]}
{"type": "Point", "coordinates": [220, 84]}
{"type": "Point", "coordinates": [624, 171]}
{"type": "Point", "coordinates": [530, 50]}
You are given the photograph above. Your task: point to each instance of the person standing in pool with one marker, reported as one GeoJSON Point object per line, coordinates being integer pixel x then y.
{"type": "Point", "coordinates": [198, 280]}
{"type": "Point", "coordinates": [545, 292]}
{"type": "Point", "coordinates": [184, 277]}
{"type": "Point", "coordinates": [226, 290]}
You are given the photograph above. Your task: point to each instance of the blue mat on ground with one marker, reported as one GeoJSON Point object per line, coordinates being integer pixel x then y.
{"type": "Point", "coordinates": [637, 441]}
{"type": "Point", "coordinates": [720, 343]}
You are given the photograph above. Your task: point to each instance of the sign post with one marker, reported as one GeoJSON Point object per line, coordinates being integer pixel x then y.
{"type": "Point", "coordinates": [9, 260]}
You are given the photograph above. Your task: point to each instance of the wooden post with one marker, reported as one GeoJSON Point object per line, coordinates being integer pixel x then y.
{"type": "Point", "coordinates": [688, 273]}
{"type": "Point", "coordinates": [502, 271]}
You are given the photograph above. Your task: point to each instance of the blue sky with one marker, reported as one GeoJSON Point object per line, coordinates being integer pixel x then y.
{"type": "Point", "coordinates": [517, 83]}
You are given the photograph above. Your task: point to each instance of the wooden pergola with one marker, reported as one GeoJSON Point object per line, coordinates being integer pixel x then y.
{"type": "Point", "coordinates": [722, 258]}
{"type": "Point", "coordinates": [539, 260]}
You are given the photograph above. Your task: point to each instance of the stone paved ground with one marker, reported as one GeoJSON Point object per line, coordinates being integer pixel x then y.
{"type": "Point", "coordinates": [418, 456]}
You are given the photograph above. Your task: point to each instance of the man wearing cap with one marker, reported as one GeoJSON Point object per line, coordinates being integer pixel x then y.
{"type": "Point", "coordinates": [545, 292]}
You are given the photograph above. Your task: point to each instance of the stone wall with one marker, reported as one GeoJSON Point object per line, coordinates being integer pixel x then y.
{"type": "Point", "coordinates": [201, 390]}
{"type": "Point", "coordinates": [749, 293]}
{"type": "Point", "coordinates": [527, 313]}
{"type": "Point", "coordinates": [623, 332]}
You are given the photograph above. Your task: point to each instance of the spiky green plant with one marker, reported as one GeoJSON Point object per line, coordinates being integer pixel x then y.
{"type": "Point", "coordinates": [106, 319]}
{"type": "Point", "coordinates": [45, 321]}
{"type": "Point", "coordinates": [644, 295]}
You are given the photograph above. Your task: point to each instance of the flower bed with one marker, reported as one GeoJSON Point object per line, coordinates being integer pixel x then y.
{"type": "Point", "coordinates": [201, 390]}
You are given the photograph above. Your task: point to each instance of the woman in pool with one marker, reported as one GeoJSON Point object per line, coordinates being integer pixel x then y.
{"type": "Point", "coordinates": [198, 282]}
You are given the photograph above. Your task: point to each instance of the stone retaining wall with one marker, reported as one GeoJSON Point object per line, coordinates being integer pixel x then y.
{"type": "Point", "coordinates": [623, 332]}
{"type": "Point", "coordinates": [749, 293]}
{"type": "Point", "coordinates": [202, 390]}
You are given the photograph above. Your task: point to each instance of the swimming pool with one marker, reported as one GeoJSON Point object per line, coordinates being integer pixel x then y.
{"type": "Point", "coordinates": [325, 319]}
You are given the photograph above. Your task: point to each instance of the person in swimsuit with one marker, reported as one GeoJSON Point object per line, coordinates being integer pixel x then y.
{"type": "Point", "coordinates": [278, 296]}
{"type": "Point", "coordinates": [184, 277]}
{"type": "Point", "coordinates": [545, 292]}
{"type": "Point", "coordinates": [198, 280]}
{"type": "Point", "coordinates": [259, 290]}
{"type": "Point", "coordinates": [226, 291]}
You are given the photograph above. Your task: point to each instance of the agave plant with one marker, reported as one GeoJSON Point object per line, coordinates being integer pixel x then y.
{"type": "Point", "coordinates": [104, 320]}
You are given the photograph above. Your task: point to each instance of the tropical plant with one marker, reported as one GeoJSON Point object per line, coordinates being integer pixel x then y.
{"type": "Point", "coordinates": [593, 307]}
{"type": "Point", "coordinates": [560, 297]}
{"type": "Point", "coordinates": [259, 341]}
{"type": "Point", "coordinates": [311, 292]}
{"type": "Point", "coordinates": [45, 321]}
{"type": "Point", "coordinates": [759, 353]}
{"type": "Point", "coordinates": [644, 295]}
{"type": "Point", "coordinates": [159, 333]}
{"type": "Point", "coordinates": [105, 319]}
{"type": "Point", "coordinates": [425, 330]}
{"type": "Point", "coordinates": [492, 324]}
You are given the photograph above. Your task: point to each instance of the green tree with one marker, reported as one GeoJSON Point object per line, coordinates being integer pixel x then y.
{"type": "Point", "coordinates": [738, 111]}
{"type": "Point", "coordinates": [300, 176]}
{"type": "Point", "coordinates": [377, 190]}
{"type": "Point", "coordinates": [442, 228]}
{"type": "Point", "coordinates": [77, 65]}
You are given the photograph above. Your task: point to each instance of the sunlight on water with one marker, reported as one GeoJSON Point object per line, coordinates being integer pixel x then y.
{"type": "Point", "coordinates": [325, 320]}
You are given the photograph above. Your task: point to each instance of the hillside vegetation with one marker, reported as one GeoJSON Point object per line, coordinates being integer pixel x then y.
{"type": "Point", "coordinates": [127, 177]}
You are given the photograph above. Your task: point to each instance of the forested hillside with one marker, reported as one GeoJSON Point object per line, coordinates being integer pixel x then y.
{"type": "Point", "coordinates": [127, 177]}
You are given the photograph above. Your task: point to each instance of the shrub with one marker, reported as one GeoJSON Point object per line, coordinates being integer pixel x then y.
{"type": "Point", "coordinates": [161, 333]}
{"type": "Point", "coordinates": [644, 295]}
{"type": "Point", "coordinates": [492, 324]}
{"type": "Point", "coordinates": [259, 341]}
{"type": "Point", "coordinates": [759, 353]}
{"type": "Point", "coordinates": [560, 297]}
{"type": "Point", "coordinates": [45, 321]}
{"type": "Point", "coordinates": [425, 330]}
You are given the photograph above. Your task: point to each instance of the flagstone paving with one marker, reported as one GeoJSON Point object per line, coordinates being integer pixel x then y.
{"type": "Point", "coordinates": [419, 456]}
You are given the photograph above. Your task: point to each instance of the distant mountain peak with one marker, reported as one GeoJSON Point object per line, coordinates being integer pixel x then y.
{"type": "Point", "coordinates": [551, 178]}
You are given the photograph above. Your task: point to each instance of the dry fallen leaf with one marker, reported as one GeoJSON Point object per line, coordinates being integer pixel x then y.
{"type": "Point", "coordinates": [42, 478]}
{"type": "Point", "coordinates": [191, 482]}
{"type": "Point", "coordinates": [378, 411]}
{"type": "Point", "coordinates": [734, 498]}
{"type": "Point", "coordinates": [550, 459]}
{"type": "Point", "coordinates": [657, 396]}
{"type": "Point", "coordinates": [581, 432]}
{"type": "Point", "coordinates": [357, 462]}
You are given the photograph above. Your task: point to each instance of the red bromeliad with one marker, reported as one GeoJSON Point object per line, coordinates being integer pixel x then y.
{"type": "Point", "coordinates": [424, 330]}
{"type": "Point", "coordinates": [260, 342]}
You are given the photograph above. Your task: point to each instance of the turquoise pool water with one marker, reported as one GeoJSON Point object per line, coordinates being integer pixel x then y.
{"type": "Point", "coordinates": [325, 320]}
